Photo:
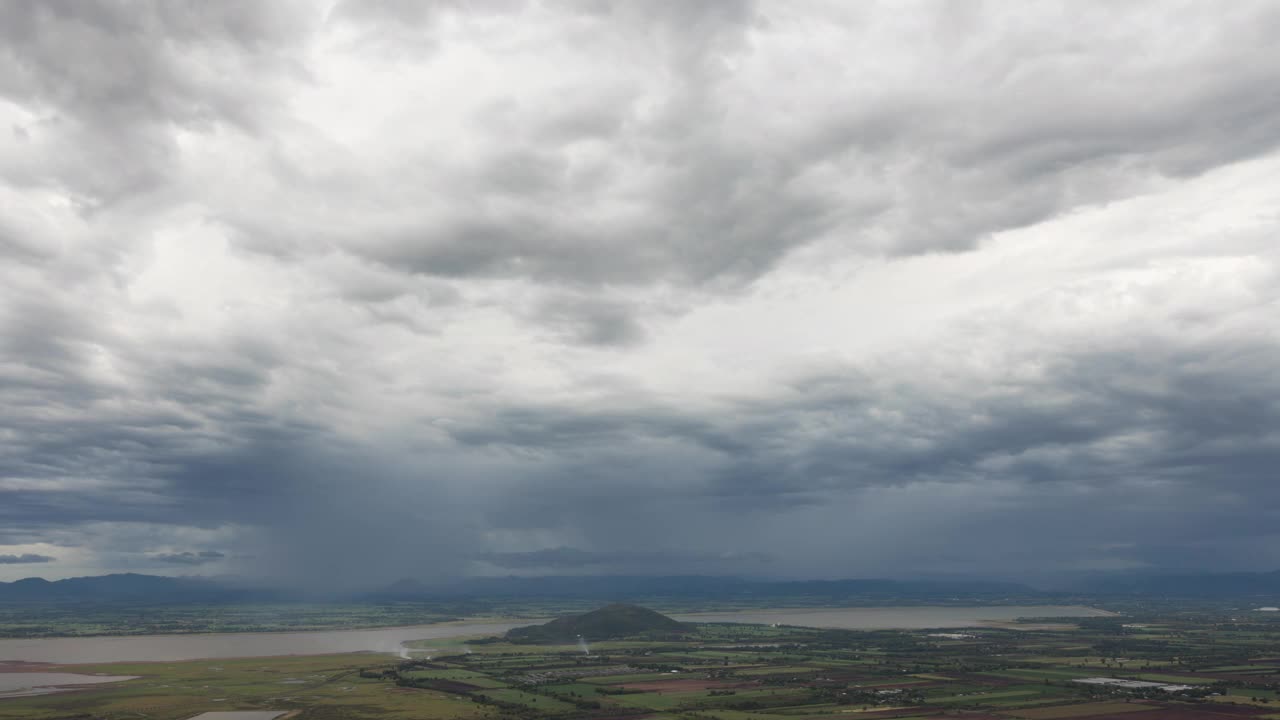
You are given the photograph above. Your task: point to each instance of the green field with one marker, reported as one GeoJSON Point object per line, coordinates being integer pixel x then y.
{"type": "Point", "coordinates": [542, 703]}
{"type": "Point", "coordinates": [464, 676]}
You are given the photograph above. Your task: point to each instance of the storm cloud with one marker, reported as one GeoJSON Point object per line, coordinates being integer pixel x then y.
{"type": "Point", "coordinates": [25, 559]}
{"type": "Point", "coordinates": [187, 557]}
{"type": "Point", "coordinates": [356, 291]}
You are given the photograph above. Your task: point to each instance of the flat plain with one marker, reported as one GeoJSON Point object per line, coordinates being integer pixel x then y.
{"type": "Point", "coordinates": [1228, 669]}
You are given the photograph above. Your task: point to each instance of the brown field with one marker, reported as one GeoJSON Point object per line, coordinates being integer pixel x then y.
{"type": "Point", "coordinates": [921, 684]}
{"type": "Point", "coordinates": [891, 713]}
{"type": "Point", "coordinates": [1159, 711]}
{"type": "Point", "coordinates": [851, 676]}
{"type": "Point", "coordinates": [989, 680]}
{"type": "Point", "coordinates": [1181, 713]}
{"type": "Point", "coordinates": [1085, 710]}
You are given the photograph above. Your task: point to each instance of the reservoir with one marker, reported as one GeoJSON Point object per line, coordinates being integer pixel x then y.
{"type": "Point", "coordinates": [158, 648]}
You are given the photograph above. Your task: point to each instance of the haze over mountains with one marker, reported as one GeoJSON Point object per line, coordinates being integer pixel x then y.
{"type": "Point", "coordinates": [164, 589]}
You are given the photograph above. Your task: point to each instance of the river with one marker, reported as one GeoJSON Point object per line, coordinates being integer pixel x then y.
{"type": "Point", "coordinates": [160, 648]}
{"type": "Point", "coordinates": [155, 648]}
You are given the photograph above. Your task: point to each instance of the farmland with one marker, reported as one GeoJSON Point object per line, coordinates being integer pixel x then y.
{"type": "Point", "coordinates": [1183, 664]}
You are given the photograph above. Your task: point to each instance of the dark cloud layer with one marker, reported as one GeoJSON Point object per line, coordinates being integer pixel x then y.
{"type": "Point", "coordinates": [566, 559]}
{"type": "Point", "coordinates": [25, 559]}
{"type": "Point", "coordinates": [392, 289]}
{"type": "Point", "coordinates": [187, 557]}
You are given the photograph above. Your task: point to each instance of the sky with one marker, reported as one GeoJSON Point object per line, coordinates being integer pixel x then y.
{"type": "Point", "coordinates": [347, 292]}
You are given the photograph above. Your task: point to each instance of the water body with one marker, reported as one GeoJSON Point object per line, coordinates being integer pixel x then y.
{"type": "Point", "coordinates": [157, 648]}
{"type": "Point", "coordinates": [153, 648]}
{"type": "Point", "coordinates": [896, 618]}
{"type": "Point", "coordinates": [17, 684]}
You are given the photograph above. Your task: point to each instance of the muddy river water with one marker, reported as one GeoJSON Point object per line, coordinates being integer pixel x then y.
{"type": "Point", "coordinates": [159, 648]}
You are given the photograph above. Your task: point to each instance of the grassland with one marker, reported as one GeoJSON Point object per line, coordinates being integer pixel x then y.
{"type": "Point", "coordinates": [321, 687]}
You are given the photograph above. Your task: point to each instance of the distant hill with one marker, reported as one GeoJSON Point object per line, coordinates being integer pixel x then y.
{"type": "Point", "coordinates": [133, 587]}
{"type": "Point", "coordinates": [610, 622]}
{"type": "Point", "coordinates": [1186, 585]}
{"type": "Point", "coordinates": [128, 587]}
{"type": "Point", "coordinates": [687, 590]}
{"type": "Point", "coordinates": [613, 587]}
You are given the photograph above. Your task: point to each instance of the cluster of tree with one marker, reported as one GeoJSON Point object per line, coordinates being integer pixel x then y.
{"type": "Point", "coordinates": [515, 709]}
{"type": "Point", "coordinates": [657, 667]}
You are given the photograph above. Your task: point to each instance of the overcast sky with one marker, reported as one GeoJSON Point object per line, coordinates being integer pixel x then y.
{"type": "Point", "coordinates": [355, 291]}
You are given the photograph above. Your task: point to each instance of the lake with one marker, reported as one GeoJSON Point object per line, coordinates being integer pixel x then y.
{"type": "Point", "coordinates": [152, 648]}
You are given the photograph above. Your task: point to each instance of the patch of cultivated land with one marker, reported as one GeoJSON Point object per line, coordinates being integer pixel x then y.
{"type": "Point", "coordinates": [1081, 710]}
{"type": "Point", "coordinates": [178, 691]}
{"type": "Point", "coordinates": [1172, 713]}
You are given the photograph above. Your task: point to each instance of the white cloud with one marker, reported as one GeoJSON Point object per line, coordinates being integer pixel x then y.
{"type": "Point", "coordinates": [621, 275]}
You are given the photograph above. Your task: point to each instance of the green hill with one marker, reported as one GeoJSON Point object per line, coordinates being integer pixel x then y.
{"type": "Point", "coordinates": [611, 622]}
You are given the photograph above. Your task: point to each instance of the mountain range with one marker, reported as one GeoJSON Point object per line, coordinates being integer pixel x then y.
{"type": "Point", "coordinates": [132, 587]}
